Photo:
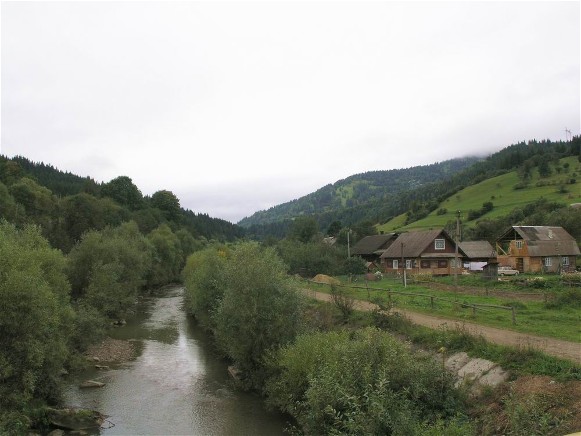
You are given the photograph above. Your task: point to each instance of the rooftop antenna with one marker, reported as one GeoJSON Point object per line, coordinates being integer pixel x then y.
{"type": "Point", "coordinates": [568, 135]}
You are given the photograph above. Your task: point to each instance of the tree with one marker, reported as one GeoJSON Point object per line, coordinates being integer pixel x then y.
{"type": "Point", "coordinates": [259, 311]}
{"type": "Point", "coordinates": [334, 228]}
{"type": "Point", "coordinates": [127, 252]}
{"type": "Point", "coordinates": [168, 203]}
{"type": "Point", "coordinates": [204, 281]}
{"type": "Point", "coordinates": [35, 318]}
{"type": "Point", "coordinates": [544, 168]}
{"type": "Point", "coordinates": [167, 256]}
{"type": "Point", "coordinates": [304, 229]}
{"type": "Point", "coordinates": [123, 191]}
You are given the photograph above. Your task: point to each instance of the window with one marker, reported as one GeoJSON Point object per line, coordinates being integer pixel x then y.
{"type": "Point", "coordinates": [442, 264]}
{"type": "Point", "coordinates": [519, 244]}
{"type": "Point", "coordinates": [565, 261]}
{"type": "Point", "coordinates": [440, 244]}
{"type": "Point", "coordinates": [425, 264]}
{"type": "Point", "coordinates": [548, 261]}
{"type": "Point", "coordinates": [408, 264]}
{"type": "Point", "coordinates": [395, 264]}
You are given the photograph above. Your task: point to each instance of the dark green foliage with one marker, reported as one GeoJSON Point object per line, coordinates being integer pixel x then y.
{"type": "Point", "coordinates": [334, 228]}
{"type": "Point", "coordinates": [107, 268]}
{"type": "Point", "coordinates": [123, 191]}
{"type": "Point", "coordinates": [168, 203]}
{"type": "Point", "coordinates": [312, 258]}
{"type": "Point", "coordinates": [486, 207]}
{"type": "Point", "coordinates": [304, 229]}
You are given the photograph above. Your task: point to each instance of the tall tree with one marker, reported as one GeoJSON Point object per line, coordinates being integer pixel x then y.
{"type": "Point", "coordinates": [123, 191]}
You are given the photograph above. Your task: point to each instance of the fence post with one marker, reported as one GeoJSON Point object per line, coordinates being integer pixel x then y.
{"type": "Point", "coordinates": [432, 302]}
{"type": "Point", "coordinates": [513, 316]}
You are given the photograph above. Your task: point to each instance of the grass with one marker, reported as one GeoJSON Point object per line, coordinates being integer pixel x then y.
{"type": "Point", "coordinates": [500, 191]}
{"type": "Point", "coordinates": [533, 317]}
{"type": "Point", "coordinates": [523, 360]}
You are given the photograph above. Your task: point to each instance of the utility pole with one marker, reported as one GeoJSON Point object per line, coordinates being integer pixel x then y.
{"type": "Point", "coordinates": [456, 250]}
{"type": "Point", "coordinates": [403, 268]}
{"type": "Point", "coordinates": [348, 247]}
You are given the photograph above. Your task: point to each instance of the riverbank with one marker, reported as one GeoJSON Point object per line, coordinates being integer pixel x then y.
{"type": "Point", "coordinates": [111, 350]}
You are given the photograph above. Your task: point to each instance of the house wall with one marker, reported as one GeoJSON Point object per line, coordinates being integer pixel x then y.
{"type": "Point", "coordinates": [420, 267]}
{"type": "Point", "coordinates": [537, 264]}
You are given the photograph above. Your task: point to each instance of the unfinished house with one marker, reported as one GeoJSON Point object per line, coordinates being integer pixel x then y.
{"type": "Point", "coordinates": [537, 249]}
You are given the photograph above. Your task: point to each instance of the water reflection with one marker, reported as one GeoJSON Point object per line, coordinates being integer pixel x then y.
{"type": "Point", "coordinates": [177, 385]}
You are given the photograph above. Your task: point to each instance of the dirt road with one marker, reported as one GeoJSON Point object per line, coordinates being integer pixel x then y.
{"type": "Point", "coordinates": [554, 347]}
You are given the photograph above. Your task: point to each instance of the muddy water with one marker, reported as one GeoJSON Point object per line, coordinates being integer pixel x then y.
{"type": "Point", "coordinates": [177, 385]}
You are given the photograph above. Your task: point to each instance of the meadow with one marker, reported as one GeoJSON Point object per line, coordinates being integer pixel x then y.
{"type": "Point", "coordinates": [503, 193]}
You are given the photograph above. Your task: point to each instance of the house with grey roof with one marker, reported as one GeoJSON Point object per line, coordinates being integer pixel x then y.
{"type": "Point", "coordinates": [372, 247]}
{"type": "Point", "coordinates": [537, 249]}
{"type": "Point", "coordinates": [428, 251]}
{"type": "Point", "coordinates": [477, 254]}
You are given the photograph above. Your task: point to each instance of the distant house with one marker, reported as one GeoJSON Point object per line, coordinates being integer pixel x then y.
{"type": "Point", "coordinates": [372, 247]}
{"type": "Point", "coordinates": [478, 254]}
{"type": "Point", "coordinates": [429, 251]}
{"type": "Point", "coordinates": [537, 249]}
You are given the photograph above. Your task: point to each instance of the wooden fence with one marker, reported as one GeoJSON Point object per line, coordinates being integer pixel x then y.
{"type": "Point", "coordinates": [455, 303]}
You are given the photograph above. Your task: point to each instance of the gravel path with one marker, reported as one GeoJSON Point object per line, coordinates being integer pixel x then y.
{"type": "Point", "coordinates": [554, 347]}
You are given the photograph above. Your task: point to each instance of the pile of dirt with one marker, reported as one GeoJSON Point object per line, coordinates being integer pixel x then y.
{"type": "Point", "coordinates": [328, 280]}
{"type": "Point", "coordinates": [111, 350]}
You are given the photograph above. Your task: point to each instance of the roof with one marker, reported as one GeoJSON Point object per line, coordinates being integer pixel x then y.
{"type": "Point", "coordinates": [546, 240]}
{"type": "Point", "coordinates": [477, 249]}
{"type": "Point", "coordinates": [373, 243]}
{"type": "Point", "coordinates": [414, 243]}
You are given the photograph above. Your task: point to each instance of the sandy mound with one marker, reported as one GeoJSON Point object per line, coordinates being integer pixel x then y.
{"type": "Point", "coordinates": [322, 278]}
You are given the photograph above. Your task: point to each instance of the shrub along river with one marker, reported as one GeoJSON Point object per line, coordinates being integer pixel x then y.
{"type": "Point", "coordinates": [176, 385]}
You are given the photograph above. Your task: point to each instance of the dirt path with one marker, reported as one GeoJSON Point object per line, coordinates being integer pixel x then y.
{"type": "Point", "coordinates": [554, 347]}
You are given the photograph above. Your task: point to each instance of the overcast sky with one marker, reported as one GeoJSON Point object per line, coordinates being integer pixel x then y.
{"type": "Point", "coordinates": [239, 106]}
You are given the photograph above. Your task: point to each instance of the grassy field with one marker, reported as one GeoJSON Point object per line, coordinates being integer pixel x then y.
{"type": "Point", "coordinates": [500, 191]}
{"type": "Point", "coordinates": [534, 317]}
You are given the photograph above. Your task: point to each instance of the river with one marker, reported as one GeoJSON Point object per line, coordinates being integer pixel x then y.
{"type": "Point", "coordinates": [177, 385]}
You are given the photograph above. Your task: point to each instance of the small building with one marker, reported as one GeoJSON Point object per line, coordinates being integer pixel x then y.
{"type": "Point", "coordinates": [428, 251]}
{"type": "Point", "coordinates": [478, 254]}
{"type": "Point", "coordinates": [370, 248]}
{"type": "Point", "coordinates": [537, 249]}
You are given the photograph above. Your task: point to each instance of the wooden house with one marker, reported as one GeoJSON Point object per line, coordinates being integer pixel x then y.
{"type": "Point", "coordinates": [372, 247]}
{"type": "Point", "coordinates": [537, 249]}
{"type": "Point", "coordinates": [429, 251]}
{"type": "Point", "coordinates": [477, 254]}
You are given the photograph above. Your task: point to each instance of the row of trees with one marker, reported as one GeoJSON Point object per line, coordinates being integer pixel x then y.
{"type": "Point", "coordinates": [66, 206]}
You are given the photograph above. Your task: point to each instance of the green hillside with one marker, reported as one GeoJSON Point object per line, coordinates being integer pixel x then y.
{"type": "Point", "coordinates": [506, 192]}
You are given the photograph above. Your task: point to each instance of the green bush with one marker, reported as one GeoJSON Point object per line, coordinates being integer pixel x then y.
{"type": "Point", "coordinates": [361, 382]}
{"type": "Point", "coordinates": [204, 281]}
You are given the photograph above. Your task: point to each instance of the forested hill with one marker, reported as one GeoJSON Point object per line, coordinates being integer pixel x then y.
{"type": "Point", "coordinates": [66, 205]}
{"type": "Point", "coordinates": [377, 197]}
{"type": "Point", "coordinates": [359, 190]}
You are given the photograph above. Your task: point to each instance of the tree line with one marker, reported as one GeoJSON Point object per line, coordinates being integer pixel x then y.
{"type": "Point", "coordinates": [72, 262]}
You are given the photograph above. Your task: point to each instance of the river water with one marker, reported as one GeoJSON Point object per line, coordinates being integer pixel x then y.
{"type": "Point", "coordinates": [177, 385]}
